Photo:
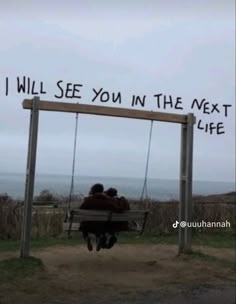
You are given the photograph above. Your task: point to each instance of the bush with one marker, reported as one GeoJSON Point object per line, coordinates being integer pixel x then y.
{"type": "Point", "coordinates": [5, 198]}
{"type": "Point", "coordinates": [46, 196]}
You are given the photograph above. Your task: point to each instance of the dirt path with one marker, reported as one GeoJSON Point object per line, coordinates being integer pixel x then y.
{"type": "Point", "coordinates": [126, 274]}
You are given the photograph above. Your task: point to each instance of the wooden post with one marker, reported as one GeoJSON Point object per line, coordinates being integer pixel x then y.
{"type": "Point", "coordinates": [186, 172]}
{"type": "Point", "coordinates": [182, 187]}
{"type": "Point", "coordinates": [29, 183]}
{"type": "Point", "coordinates": [188, 184]}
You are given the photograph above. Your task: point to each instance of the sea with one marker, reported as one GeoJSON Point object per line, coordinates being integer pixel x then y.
{"type": "Point", "coordinates": [158, 189]}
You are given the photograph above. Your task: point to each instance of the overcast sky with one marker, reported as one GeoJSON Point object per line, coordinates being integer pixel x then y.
{"type": "Point", "coordinates": [182, 48]}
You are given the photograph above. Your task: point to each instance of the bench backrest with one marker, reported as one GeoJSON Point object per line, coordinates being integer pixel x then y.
{"type": "Point", "coordinates": [82, 215]}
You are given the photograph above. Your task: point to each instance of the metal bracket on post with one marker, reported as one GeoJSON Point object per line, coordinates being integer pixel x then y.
{"type": "Point", "coordinates": [29, 183]}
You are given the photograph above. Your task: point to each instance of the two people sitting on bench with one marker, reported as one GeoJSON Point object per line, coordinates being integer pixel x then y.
{"type": "Point", "coordinates": [105, 232]}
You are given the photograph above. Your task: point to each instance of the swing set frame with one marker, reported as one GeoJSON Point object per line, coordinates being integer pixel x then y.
{"type": "Point", "coordinates": [186, 159]}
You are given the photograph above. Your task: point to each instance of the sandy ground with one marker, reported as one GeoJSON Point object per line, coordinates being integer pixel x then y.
{"type": "Point", "coordinates": [125, 274]}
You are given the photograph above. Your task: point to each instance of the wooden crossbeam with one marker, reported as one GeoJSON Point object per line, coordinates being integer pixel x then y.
{"type": "Point", "coordinates": [105, 111]}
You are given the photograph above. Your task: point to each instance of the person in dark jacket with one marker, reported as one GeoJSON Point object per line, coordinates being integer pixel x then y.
{"type": "Point", "coordinates": [122, 203]}
{"type": "Point", "coordinates": [97, 200]}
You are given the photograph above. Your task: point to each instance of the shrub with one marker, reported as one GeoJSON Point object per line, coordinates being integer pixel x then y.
{"type": "Point", "coordinates": [46, 196]}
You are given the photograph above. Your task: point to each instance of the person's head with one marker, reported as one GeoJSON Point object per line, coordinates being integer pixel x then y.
{"type": "Point", "coordinates": [96, 188]}
{"type": "Point", "coordinates": [112, 192]}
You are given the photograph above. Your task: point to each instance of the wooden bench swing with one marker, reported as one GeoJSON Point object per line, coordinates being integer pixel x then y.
{"type": "Point", "coordinates": [136, 219]}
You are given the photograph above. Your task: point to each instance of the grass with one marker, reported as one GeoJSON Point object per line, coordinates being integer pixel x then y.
{"type": "Point", "coordinates": [14, 269]}
{"type": "Point", "coordinates": [198, 255]}
{"type": "Point", "coordinates": [14, 245]}
{"type": "Point", "coordinates": [147, 238]}
{"type": "Point", "coordinates": [214, 240]}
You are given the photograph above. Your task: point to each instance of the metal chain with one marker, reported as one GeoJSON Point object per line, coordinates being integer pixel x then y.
{"type": "Point", "coordinates": [73, 163]}
{"type": "Point", "coordinates": [144, 191]}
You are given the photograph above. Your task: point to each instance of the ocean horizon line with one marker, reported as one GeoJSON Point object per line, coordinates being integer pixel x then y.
{"type": "Point", "coordinates": [116, 177]}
